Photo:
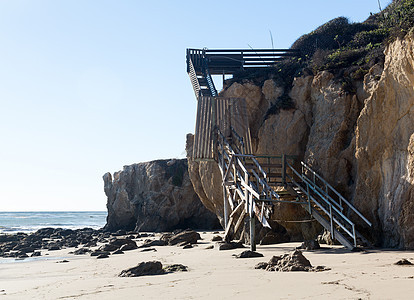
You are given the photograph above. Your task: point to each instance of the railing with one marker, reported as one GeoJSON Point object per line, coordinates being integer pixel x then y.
{"type": "Point", "coordinates": [229, 61]}
{"type": "Point", "coordinates": [319, 195]}
{"type": "Point", "coordinates": [325, 188]}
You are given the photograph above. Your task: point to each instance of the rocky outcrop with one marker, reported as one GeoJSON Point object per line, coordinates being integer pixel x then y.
{"type": "Point", "coordinates": [360, 139]}
{"type": "Point", "coordinates": [384, 149]}
{"type": "Point", "coordinates": [155, 196]}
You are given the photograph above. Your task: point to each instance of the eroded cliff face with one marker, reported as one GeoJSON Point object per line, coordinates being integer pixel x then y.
{"type": "Point", "coordinates": [384, 149]}
{"type": "Point", "coordinates": [155, 196]}
{"type": "Point", "coordinates": [361, 142]}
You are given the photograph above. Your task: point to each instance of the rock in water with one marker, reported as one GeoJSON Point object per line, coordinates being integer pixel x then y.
{"type": "Point", "coordinates": [155, 196]}
{"type": "Point", "coordinates": [143, 269]}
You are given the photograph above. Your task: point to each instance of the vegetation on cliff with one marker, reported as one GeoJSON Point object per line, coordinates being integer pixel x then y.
{"type": "Point", "coordinates": [345, 49]}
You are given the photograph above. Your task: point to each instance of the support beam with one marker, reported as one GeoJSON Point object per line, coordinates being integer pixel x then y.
{"type": "Point", "coordinates": [252, 233]}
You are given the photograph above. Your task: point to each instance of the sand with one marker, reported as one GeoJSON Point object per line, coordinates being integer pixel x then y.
{"type": "Point", "coordinates": [212, 274]}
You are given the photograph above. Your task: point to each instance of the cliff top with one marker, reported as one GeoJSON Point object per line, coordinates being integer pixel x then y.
{"type": "Point", "coordinates": [346, 49]}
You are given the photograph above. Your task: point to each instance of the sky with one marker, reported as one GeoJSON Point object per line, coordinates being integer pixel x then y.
{"type": "Point", "coordinates": [88, 86]}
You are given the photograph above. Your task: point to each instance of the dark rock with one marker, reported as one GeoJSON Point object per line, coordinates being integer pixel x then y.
{"type": "Point", "coordinates": [119, 232]}
{"type": "Point", "coordinates": [209, 247]}
{"type": "Point", "coordinates": [22, 255]}
{"type": "Point", "coordinates": [128, 247]}
{"type": "Point", "coordinates": [109, 247]}
{"type": "Point", "coordinates": [118, 252]}
{"type": "Point", "coordinates": [310, 245]}
{"type": "Point", "coordinates": [188, 246]}
{"type": "Point", "coordinates": [229, 246]}
{"type": "Point", "coordinates": [188, 236]}
{"type": "Point", "coordinates": [143, 269]}
{"type": "Point", "coordinates": [102, 256]}
{"type": "Point", "coordinates": [98, 252]}
{"type": "Point", "coordinates": [166, 237]}
{"type": "Point", "coordinates": [216, 238]}
{"type": "Point", "coordinates": [149, 249]}
{"type": "Point", "coordinates": [155, 196]}
{"type": "Point", "coordinates": [153, 243]}
{"type": "Point", "coordinates": [62, 261]}
{"type": "Point", "coordinates": [90, 244]}
{"type": "Point", "coordinates": [249, 254]}
{"type": "Point", "coordinates": [403, 262]}
{"type": "Point", "coordinates": [36, 253]}
{"type": "Point", "coordinates": [123, 244]}
{"type": "Point", "coordinates": [175, 268]}
{"type": "Point", "coordinates": [81, 251]}
{"type": "Point", "coordinates": [53, 247]}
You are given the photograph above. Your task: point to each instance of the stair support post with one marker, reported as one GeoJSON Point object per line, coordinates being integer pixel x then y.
{"type": "Point", "coordinates": [331, 219]}
{"type": "Point", "coordinates": [283, 169]}
{"type": "Point", "coordinates": [252, 232]}
{"type": "Point", "coordinates": [309, 199]}
{"type": "Point", "coordinates": [225, 196]}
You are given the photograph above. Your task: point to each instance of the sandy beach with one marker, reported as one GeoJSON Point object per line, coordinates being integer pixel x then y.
{"type": "Point", "coordinates": [212, 274]}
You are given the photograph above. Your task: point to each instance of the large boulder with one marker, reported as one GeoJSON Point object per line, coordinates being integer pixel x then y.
{"type": "Point", "coordinates": [155, 196]}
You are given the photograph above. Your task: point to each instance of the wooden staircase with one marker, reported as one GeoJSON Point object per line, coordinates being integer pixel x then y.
{"type": "Point", "coordinates": [252, 184]}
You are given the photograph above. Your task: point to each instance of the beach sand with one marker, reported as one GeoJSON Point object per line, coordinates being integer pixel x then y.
{"type": "Point", "coordinates": [212, 274]}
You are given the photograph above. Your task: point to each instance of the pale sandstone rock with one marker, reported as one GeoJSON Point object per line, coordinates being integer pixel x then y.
{"type": "Point", "coordinates": [363, 144]}
{"type": "Point", "coordinates": [384, 146]}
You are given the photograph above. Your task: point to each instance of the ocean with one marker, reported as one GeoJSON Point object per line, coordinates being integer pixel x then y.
{"type": "Point", "coordinates": [13, 222]}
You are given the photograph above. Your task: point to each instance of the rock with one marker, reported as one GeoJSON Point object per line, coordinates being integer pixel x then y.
{"type": "Point", "coordinates": [143, 269]}
{"type": "Point", "coordinates": [149, 249]}
{"type": "Point", "coordinates": [175, 268]}
{"type": "Point", "coordinates": [152, 243]}
{"type": "Point", "coordinates": [249, 254]}
{"type": "Point", "coordinates": [62, 261]}
{"type": "Point", "coordinates": [216, 238]}
{"type": "Point", "coordinates": [154, 196]}
{"type": "Point", "coordinates": [81, 251]}
{"type": "Point", "coordinates": [209, 247]}
{"type": "Point", "coordinates": [118, 252]}
{"type": "Point", "coordinates": [117, 243]}
{"type": "Point", "coordinates": [229, 246]}
{"type": "Point", "coordinates": [36, 254]}
{"type": "Point", "coordinates": [128, 247]}
{"type": "Point", "coordinates": [188, 236]}
{"type": "Point", "coordinates": [53, 247]}
{"type": "Point", "coordinates": [102, 256]}
{"type": "Point", "coordinates": [99, 252]}
{"type": "Point", "coordinates": [188, 246]}
{"type": "Point", "coordinates": [403, 262]}
{"type": "Point", "coordinates": [309, 245]}
{"type": "Point", "coordinates": [261, 265]}
{"type": "Point", "coordinates": [294, 261]}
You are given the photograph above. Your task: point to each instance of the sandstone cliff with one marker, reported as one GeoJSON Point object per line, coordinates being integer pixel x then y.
{"type": "Point", "coordinates": [155, 196]}
{"type": "Point", "coordinates": [359, 136]}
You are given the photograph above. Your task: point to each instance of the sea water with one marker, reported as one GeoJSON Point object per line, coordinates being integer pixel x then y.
{"type": "Point", "coordinates": [13, 222]}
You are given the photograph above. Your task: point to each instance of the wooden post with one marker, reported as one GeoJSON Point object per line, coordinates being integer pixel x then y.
{"type": "Point", "coordinates": [252, 232]}
{"type": "Point", "coordinates": [283, 169]}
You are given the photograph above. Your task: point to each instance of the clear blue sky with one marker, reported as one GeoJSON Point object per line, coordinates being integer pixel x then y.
{"type": "Point", "coordinates": [88, 86]}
